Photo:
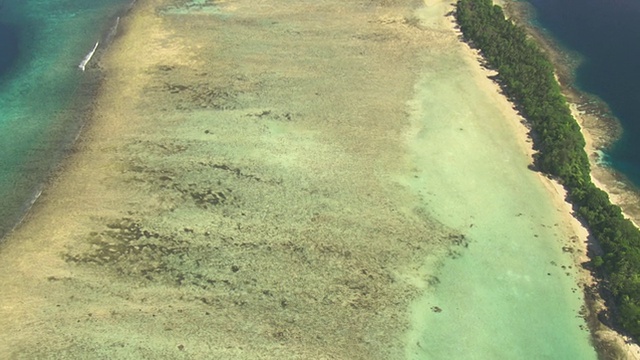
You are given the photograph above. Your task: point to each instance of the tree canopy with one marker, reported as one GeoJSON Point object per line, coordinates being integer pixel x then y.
{"type": "Point", "coordinates": [527, 77]}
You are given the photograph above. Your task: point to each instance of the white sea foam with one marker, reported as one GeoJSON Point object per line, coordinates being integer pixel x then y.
{"type": "Point", "coordinates": [87, 58]}
{"type": "Point", "coordinates": [112, 32]}
{"type": "Point", "coordinates": [27, 207]}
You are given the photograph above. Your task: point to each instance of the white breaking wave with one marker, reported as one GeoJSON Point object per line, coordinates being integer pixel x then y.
{"type": "Point", "coordinates": [87, 58]}
{"type": "Point", "coordinates": [27, 208]}
{"type": "Point", "coordinates": [112, 32]}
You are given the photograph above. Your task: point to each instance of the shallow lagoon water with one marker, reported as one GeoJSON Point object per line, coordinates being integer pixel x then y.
{"type": "Point", "coordinates": [512, 293]}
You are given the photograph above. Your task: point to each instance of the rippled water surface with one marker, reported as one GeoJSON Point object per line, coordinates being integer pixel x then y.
{"type": "Point", "coordinates": [43, 94]}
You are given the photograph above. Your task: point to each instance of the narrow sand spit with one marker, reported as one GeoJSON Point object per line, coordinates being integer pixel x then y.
{"type": "Point", "coordinates": [256, 183]}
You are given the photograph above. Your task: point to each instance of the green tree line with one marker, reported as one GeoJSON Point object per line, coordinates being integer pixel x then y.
{"type": "Point", "coordinates": [527, 77]}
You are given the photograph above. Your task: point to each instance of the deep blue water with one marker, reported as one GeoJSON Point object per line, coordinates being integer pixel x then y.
{"type": "Point", "coordinates": [606, 33]}
{"type": "Point", "coordinates": [44, 97]}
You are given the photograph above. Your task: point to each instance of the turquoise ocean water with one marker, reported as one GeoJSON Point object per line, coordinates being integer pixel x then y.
{"type": "Point", "coordinates": [44, 96]}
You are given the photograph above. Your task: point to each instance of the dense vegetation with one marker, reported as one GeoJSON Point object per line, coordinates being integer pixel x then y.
{"type": "Point", "coordinates": [527, 77]}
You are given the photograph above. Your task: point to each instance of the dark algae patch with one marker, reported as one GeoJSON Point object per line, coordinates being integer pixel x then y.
{"type": "Point", "coordinates": [527, 78]}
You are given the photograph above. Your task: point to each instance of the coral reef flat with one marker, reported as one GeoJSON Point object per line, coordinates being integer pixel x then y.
{"type": "Point", "coordinates": [289, 180]}
{"type": "Point", "coordinates": [232, 195]}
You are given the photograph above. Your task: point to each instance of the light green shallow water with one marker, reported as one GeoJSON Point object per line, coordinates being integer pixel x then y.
{"type": "Point", "coordinates": [496, 297]}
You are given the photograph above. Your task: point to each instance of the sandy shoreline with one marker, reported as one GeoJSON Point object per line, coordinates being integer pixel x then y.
{"type": "Point", "coordinates": [235, 185]}
{"type": "Point", "coordinates": [598, 130]}
{"type": "Point", "coordinates": [575, 241]}
{"type": "Point", "coordinates": [607, 180]}
{"type": "Point", "coordinates": [597, 126]}
{"type": "Point", "coordinates": [620, 195]}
